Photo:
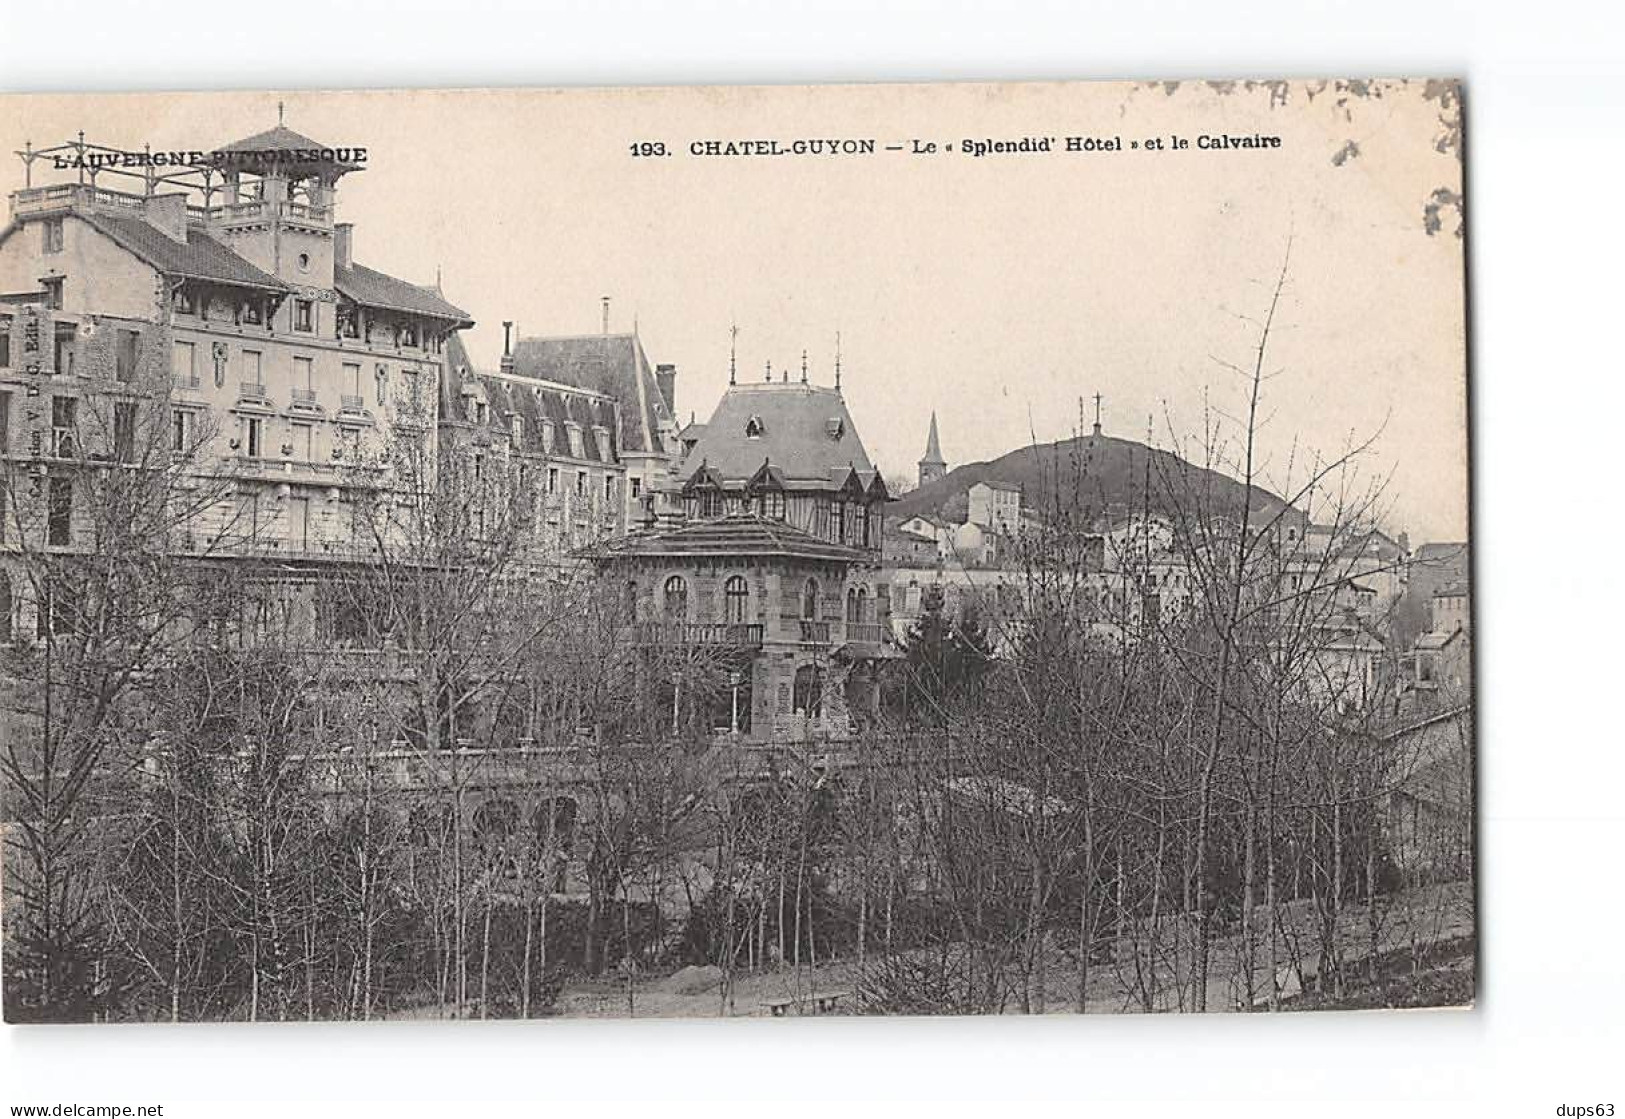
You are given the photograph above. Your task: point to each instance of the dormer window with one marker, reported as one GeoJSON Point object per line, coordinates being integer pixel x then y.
{"type": "Point", "coordinates": [547, 436]}
{"type": "Point", "coordinates": [601, 436]}
{"type": "Point", "coordinates": [754, 428]}
{"type": "Point", "coordinates": [516, 428]}
{"type": "Point", "coordinates": [835, 427]}
{"type": "Point", "coordinates": [252, 313]}
{"type": "Point", "coordinates": [574, 431]}
{"type": "Point", "coordinates": [304, 315]}
{"type": "Point", "coordinates": [409, 335]}
{"type": "Point", "coordinates": [184, 303]}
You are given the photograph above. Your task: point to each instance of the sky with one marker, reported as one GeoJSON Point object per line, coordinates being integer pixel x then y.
{"type": "Point", "coordinates": [1000, 292]}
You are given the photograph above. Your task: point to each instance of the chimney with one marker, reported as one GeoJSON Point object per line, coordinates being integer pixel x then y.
{"type": "Point", "coordinates": [342, 244]}
{"type": "Point", "coordinates": [666, 378]}
{"type": "Point", "coordinates": [606, 315]}
{"type": "Point", "coordinates": [167, 214]}
{"type": "Point", "coordinates": [507, 345]}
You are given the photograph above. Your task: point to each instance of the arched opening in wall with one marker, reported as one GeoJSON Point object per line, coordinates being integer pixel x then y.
{"type": "Point", "coordinates": [857, 605]}
{"type": "Point", "coordinates": [735, 600]}
{"type": "Point", "coordinates": [809, 600]}
{"type": "Point", "coordinates": [495, 821]}
{"type": "Point", "coordinates": [674, 599]}
{"type": "Point", "coordinates": [807, 696]}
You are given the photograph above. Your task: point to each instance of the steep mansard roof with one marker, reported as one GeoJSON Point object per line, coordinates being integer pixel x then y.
{"type": "Point", "coordinates": [803, 431]}
{"type": "Point", "coordinates": [535, 401]}
{"type": "Point", "coordinates": [612, 364]}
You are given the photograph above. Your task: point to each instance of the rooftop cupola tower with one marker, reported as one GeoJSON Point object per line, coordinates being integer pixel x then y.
{"type": "Point", "coordinates": [279, 190]}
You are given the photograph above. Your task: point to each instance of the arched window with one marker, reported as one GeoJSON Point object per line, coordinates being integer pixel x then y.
{"type": "Point", "coordinates": [857, 605]}
{"type": "Point", "coordinates": [676, 599]}
{"type": "Point", "coordinates": [809, 691]}
{"type": "Point", "coordinates": [809, 600]}
{"type": "Point", "coordinates": [629, 600]}
{"type": "Point", "coordinates": [735, 600]}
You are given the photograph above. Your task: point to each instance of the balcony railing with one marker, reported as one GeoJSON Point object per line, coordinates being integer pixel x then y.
{"type": "Point", "coordinates": [865, 631]}
{"type": "Point", "coordinates": [252, 390]}
{"type": "Point", "coordinates": [305, 399]}
{"type": "Point", "coordinates": [746, 635]}
{"type": "Point", "coordinates": [814, 633]}
{"type": "Point", "coordinates": [352, 404]}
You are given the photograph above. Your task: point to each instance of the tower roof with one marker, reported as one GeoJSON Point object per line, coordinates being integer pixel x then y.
{"type": "Point", "coordinates": [802, 430]}
{"type": "Point", "coordinates": [276, 147]}
{"type": "Point", "coordinates": [933, 452]}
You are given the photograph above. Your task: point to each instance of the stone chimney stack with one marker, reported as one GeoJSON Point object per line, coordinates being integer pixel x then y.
{"type": "Point", "coordinates": [507, 345]}
{"type": "Point", "coordinates": [167, 214]}
{"type": "Point", "coordinates": [666, 379]}
{"type": "Point", "coordinates": [343, 244]}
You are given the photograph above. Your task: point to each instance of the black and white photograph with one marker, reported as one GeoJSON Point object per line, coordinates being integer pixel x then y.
{"type": "Point", "coordinates": [700, 589]}
{"type": "Point", "coordinates": [870, 556]}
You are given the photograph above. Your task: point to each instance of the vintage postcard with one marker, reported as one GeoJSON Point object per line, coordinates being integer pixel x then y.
{"type": "Point", "coordinates": [694, 552]}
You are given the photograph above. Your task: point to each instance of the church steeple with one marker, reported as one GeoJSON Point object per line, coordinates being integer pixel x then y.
{"type": "Point", "coordinates": [933, 465]}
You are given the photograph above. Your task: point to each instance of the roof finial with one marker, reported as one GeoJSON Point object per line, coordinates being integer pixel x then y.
{"type": "Point", "coordinates": [733, 353]}
{"type": "Point", "coordinates": [769, 378]}
{"type": "Point", "coordinates": [803, 366]}
{"type": "Point", "coordinates": [606, 315]}
{"type": "Point", "coordinates": [1097, 415]}
{"type": "Point", "coordinates": [837, 361]}
{"type": "Point", "coordinates": [279, 113]}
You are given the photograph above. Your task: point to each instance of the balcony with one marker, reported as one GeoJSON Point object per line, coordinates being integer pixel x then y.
{"type": "Point", "coordinates": [304, 400]}
{"type": "Point", "coordinates": [814, 633]}
{"type": "Point", "coordinates": [253, 392]}
{"type": "Point", "coordinates": [355, 405]}
{"type": "Point", "coordinates": [867, 631]}
{"type": "Point", "coordinates": [731, 634]}
{"type": "Point", "coordinates": [255, 212]}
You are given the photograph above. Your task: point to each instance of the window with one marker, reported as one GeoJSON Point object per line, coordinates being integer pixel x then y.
{"type": "Point", "coordinates": [735, 600]}
{"type": "Point", "coordinates": [247, 523]}
{"type": "Point", "coordinates": [185, 302]}
{"type": "Point", "coordinates": [857, 605]}
{"type": "Point", "coordinates": [552, 479]}
{"type": "Point", "coordinates": [629, 600]}
{"type": "Point", "coordinates": [51, 231]}
{"type": "Point", "coordinates": [609, 487]}
{"type": "Point", "coordinates": [674, 599]}
{"type": "Point", "coordinates": [303, 315]}
{"type": "Point", "coordinates": [820, 517]}
{"type": "Point", "coordinates": [124, 431]}
{"type": "Point", "coordinates": [5, 421]}
{"type": "Point", "coordinates": [479, 465]}
{"type": "Point", "coordinates": [409, 335]}
{"type": "Point", "coordinates": [516, 428]}
{"type": "Point", "coordinates": [253, 367]}
{"type": "Point", "coordinates": [304, 262]}
{"type": "Point", "coordinates": [547, 436]}
{"type": "Point", "coordinates": [299, 523]}
{"type": "Point", "coordinates": [711, 503]}
{"type": "Point", "coordinates": [61, 510]}
{"type": "Point", "coordinates": [414, 388]}
{"type": "Point", "coordinates": [253, 436]}
{"type": "Point", "coordinates": [64, 414]}
{"type": "Point", "coordinates": [581, 483]}
{"type": "Point", "coordinates": [180, 431]}
{"type": "Point", "coordinates": [5, 607]}
{"type": "Point", "coordinates": [637, 487]}
{"type": "Point", "coordinates": [575, 440]}
{"type": "Point", "coordinates": [252, 312]}
{"type": "Point", "coordinates": [65, 335]}
{"type": "Point", "coordinates": [809, 691]}
{"type": "Point", "coordinates": [838, 521]}
{"type": "Point", "coordinates": [126, 354]}
{"type": "Point", "coordinates": [5, 341]}
{"type": "Point", "coordinates": [304, 441]}
{"type": "Point", "coordinates": [809, 600]}
{"type": "Point", "coordinates": [304, 378]}
{"type": "Point", "coordinates": [185, 363]}
{"type": "Point", "coordinates": [53, 293]}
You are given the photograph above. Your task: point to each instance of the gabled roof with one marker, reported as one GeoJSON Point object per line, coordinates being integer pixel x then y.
{"type": "Point", "coordinates": [199, 257]}
{"type": "Point", "coordinates": [613, 364]}
{"type": "Point", "coordinates": [742, 534]}
{"type": "Point", "coordinates": [284, 139]}
{"type": "Point", "coordinates": [372, 288]}
{"type": "Point", "coordinates": [805, 431]}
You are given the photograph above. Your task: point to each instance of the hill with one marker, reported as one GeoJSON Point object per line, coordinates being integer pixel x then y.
{"type": "Point", "coordinates": [1096, 471]}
